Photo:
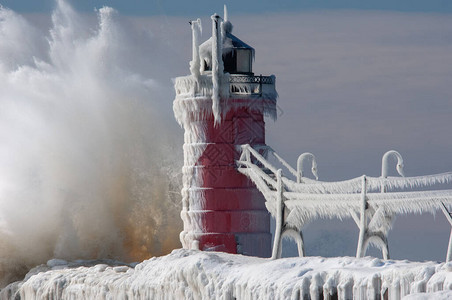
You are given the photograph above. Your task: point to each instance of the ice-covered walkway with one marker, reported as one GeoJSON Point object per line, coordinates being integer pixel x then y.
{"type": "Point", "coordinates": [190, 274]}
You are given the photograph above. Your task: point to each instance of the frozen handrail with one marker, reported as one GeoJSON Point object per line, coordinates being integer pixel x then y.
{"type": "Point", "coordinates": [251, 85]}
{"type": "Point", "coordinates": [373, 184]}
{"type": "Point", "coordinates": [251, 79]}
{"type": "Point", "coordinates": [310, 199]}
{"type": "Point", "coordinates": [248, 151]}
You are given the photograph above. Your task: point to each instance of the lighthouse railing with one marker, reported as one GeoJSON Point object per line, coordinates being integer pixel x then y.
{"type": "Point", "coordinates": [234, 84]}
{"type": "Point", "coordinates": [251, 85]}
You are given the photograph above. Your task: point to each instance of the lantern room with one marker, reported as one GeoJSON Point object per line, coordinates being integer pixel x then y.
{"type": "Point", "coordinates": [237, 56]}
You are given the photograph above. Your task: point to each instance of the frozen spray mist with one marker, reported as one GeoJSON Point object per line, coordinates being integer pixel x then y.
{"type": "Point", "coordinates": [87, 166]}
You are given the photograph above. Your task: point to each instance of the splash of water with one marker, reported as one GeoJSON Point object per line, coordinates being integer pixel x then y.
{"type": "Point", "coordinates": [86, 159]}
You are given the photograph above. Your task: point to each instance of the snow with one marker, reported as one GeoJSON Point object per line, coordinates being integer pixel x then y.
{"type": "Point", "coordinates": [194, 274]}
{"type": "Point", "coordinates": [443, 295]}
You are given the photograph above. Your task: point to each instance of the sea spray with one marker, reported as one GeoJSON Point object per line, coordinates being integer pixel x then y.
{"type": "Point", "coordinates": [88, 168]}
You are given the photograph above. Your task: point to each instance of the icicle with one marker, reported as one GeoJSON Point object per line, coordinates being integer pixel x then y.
{"type": "Point", "coordinates": [195, 64]}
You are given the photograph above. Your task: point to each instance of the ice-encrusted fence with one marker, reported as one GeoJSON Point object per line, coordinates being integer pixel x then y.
{"type": "Point", "coordinates": [370, 201]}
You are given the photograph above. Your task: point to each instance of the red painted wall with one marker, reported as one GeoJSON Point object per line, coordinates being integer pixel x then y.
{"type": "Point", "coordinates": [233, 216]}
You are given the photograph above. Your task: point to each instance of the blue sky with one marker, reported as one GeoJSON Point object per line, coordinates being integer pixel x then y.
{"type": "Point", "coordinates": [205, 7]}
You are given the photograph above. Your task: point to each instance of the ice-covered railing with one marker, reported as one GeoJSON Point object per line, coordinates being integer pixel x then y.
{"type": "Point", "coordinates": [234, 85]}
{"type": "Point", "coordinates": [195, 94]}
{"type": "Point", "coordinates": [252, 85]}
{"type": "Point", "coordinates": [370, 201]}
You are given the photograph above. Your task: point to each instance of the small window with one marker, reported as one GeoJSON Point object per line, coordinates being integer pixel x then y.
{"type": "Point", "coordinates": [206, 66]}
{"type": "Point", "coordinates": [229, 62]}
{"type": "Point", "coordinates": [244, 57]}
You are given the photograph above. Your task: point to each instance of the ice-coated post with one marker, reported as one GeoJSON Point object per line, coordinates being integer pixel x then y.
{"type": "Point", "coordinates": [300, 244]}
{"type": "Point", "coordinates": [449, 248]}
{"type": "Point", "coordinates": [195, 64]}
{"type": "Point", "coordinates": [384, 174]}
{"type": "Point", "coordinates": [363, 221]}
{"type": "Point", "coordinates": [449, 218]}
{"type": "Point", "coordinates": [297, 235]}
{"type": "Point", "coordinates": [276, 253]}
{"type": "Point", "coordinates": [217, 69]}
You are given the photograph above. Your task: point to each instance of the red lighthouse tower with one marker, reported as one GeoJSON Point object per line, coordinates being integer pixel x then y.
{"type": "Point", "coordinates": [221, 105]}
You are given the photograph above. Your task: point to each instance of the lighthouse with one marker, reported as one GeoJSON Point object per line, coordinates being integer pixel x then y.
{"type": "Point", "coordinates": [221, 105]}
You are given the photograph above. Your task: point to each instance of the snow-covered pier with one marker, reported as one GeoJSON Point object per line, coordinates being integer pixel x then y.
{"type": "Point", "coordinates": [191, 274]}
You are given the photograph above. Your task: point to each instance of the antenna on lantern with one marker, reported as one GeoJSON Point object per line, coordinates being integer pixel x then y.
{"type": "Point", "coordinates": [225, 13]}
{"type": "Point", "coordinates": [227, 25]}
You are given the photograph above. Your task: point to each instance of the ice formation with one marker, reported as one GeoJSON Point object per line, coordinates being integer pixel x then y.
{"type": "Point", "coordinates": [195, 64]}
{"type": "Point", "coordinates": [189, 274]}
{"type": "Point", "coordinates": [369, 201]}
{"type": "Point", "coordinates": [80, 114]}
{"type": "Point", "coordinates": [217, 66]}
